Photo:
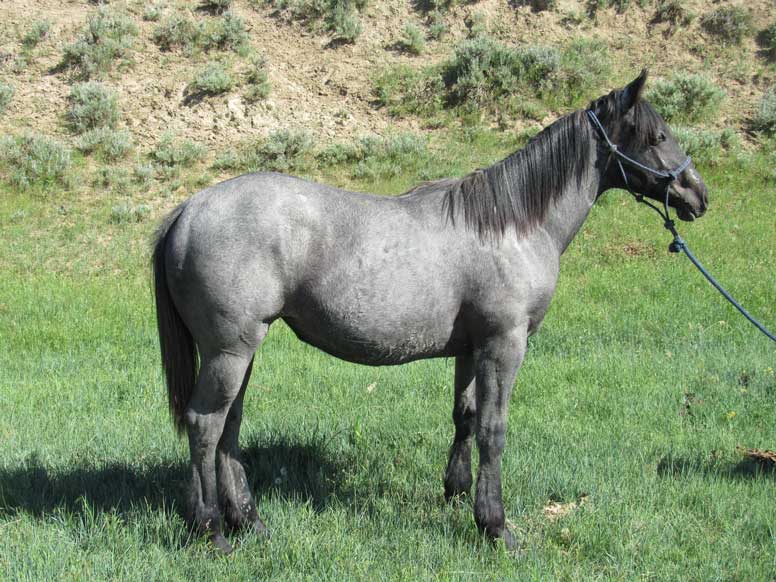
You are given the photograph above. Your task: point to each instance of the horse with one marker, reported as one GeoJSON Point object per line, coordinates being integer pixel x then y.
{"type": "Point", "coordinates": [460, 268]}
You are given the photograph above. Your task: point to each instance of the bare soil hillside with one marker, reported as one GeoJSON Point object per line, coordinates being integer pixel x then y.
{"type": "Point", "coordinates": [326, 87]}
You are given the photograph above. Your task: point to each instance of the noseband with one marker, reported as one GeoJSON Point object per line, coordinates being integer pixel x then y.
{"type": "Point", "coordinates": [620, 158]}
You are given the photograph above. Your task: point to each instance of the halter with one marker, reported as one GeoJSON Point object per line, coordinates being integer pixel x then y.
{"type": "Point", "coordinates": [678, 243]}
{"type": "Point", "coordinates": [670, 175]}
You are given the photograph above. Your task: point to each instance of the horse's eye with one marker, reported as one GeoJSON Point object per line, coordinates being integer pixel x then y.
{"type": "Point", "coordinates": [658, 138]}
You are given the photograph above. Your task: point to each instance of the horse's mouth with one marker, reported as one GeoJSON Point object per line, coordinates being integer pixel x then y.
{"type": "Point", "coordinates": [686, 210]}
{"type": "Point", "coordinates": [686, 213]}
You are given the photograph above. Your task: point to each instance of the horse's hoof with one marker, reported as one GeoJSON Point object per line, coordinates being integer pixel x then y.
{"type": "Point", "coordinates": [220, 544]}
{"type": "Point", "coordinates": [260, 529]}
{"type": "Point", "coordinates": [510, 543]}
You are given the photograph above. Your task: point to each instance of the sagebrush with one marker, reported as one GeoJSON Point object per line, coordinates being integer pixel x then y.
{"type": "Point", "coordinates": [731, 24]}
{"type": "Point", "coordinates": [107, 36]}
{"type": "Point", "coordinates": [686, 97]}
{"type": "Point", "coordinates": [34, 161]}
{"type": "Point", "coordinates": [765, 118]}
{"type": "Point", "coordinates": [91, 105]}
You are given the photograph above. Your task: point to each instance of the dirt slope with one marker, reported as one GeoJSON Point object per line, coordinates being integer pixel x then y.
{"type": "Point", "coordinates": [328, 90]}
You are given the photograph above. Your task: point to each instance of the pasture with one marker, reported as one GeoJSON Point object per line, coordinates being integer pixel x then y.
{"type": "Point", "coordinates": [621, 459]}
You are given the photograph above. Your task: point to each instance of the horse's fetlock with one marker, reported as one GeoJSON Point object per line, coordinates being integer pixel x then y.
{"type": "Point", "coordinates": [206, 519]}
{"type": "Point", "coordinates": [490, 519]}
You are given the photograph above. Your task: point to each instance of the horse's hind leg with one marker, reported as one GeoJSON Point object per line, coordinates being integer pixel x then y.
{"type": "Point", "coordinates": [239, 506]}
{"type": "Point", "coordinates": [218, 385]}
{"type": "Point", "coordinates": [458, 476]}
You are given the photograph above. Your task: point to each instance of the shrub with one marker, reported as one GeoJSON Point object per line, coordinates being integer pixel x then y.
{"type": "Point", "coordinates": [114, 179]}
{"type": "Point", "coordinates": [477, 24]}
{"type": "Point", "coordinates": [143, 173]}
{"type": "Point", "coordinates": [386, 157]}
{"type": "Point", "coordinates": [593, 6]}
{"type": "Point", "coordinates": [375, 157]}
{"type": "Point", "coordinates": [34, 161]}
{"type": "Point", "coordinates": [281, 150]}
{"type": "Point", "coordinates": [673, 12]}
{"type": "Point", "coordinates": [6, 94]}
{"type": "Point", "coordinates": [107, 143]}
{"type": "Point", "coordinates": [229, 159]}
{"type": "Point", "coordinates": [729, 23]}
{"type": "Point", "coordinates": [412, 40]}
{"type": "Point", "coordinates": [767, 39]}
{"type": "Point", "coordinates": [170, 152]}
{"type": "Point", "coordinates": [214, 79]}
{"type": "Point", "coordinates": [707, 147]}
{"type": "Point", "coordinates": [686, 97]}
{"type": "Point", "coordinates": [37, 32]}
{"type": "Point", "coordinates": [153, 12]}
{"type": "Point", "coordinates": [538, 5]}
{"type": "Point", "coordinates": [437, 27]}
{"type": "Point", "coordinates": [217, 6]}
{"type": "Point", "coordinates": [92, 105]}
{"type": "Point", "coordinates": [225, 33]}
{"type": "Point", "coordinates": [343, 22]}
{"type": "Point", "coordinates": [584, 67]}
{"type": "Point", "coordinates": [403, 90]}
{"type": "Point", "coordinates": [482, 70]}
{"type": "Point", "coordinates": [765, 118]}
{"type": "Point", "coordinates": [338, 16]}
{"type": "Point", "coordinates": [127, 213]}
{"type": "Point", "coordinates": [483, 73]}
{"type": "Point", "coordinates": [176, 30]}
{"type": "Point", "coordinates": [257, 80]}
{"type": "Point", "coordinates": [369, 149]}
{"type": "Point", "coordinates": [107, 37]}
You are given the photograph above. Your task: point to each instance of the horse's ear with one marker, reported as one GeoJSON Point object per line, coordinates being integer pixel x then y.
{"type": "Point", "coordinates": [632, 92]}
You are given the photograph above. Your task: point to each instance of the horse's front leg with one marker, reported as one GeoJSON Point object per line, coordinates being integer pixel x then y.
{"type": "Point", "coordinates": [458, 476]}
{"type": "Point", "coordinates": [497, 362]}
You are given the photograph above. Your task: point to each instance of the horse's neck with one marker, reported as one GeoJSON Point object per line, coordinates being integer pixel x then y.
{"type": "Point", "coordinates": [566, 216]}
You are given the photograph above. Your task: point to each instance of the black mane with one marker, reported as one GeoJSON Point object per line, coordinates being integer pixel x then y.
{"type": "Point", "coordinates": [518, 190]}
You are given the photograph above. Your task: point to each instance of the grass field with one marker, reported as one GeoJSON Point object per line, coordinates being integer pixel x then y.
{"type": "Point", "coordinates": [621, 459]}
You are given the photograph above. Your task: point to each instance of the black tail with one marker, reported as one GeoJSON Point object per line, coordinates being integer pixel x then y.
{"type": "Point", "coordinates": [179, 351]}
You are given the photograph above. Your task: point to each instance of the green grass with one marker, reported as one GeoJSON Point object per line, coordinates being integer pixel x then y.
{"type": "Point", "coordinates": [634, 395]}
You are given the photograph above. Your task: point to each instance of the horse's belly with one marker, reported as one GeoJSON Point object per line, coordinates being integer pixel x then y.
{"type": "Point", "coordinates": [378, 342]}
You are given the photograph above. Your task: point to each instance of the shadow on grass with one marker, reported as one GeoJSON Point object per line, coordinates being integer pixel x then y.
{"type": "Point", "coordinates": [746, 468]}
{"type": "Point", "coordinates": [300, 473]}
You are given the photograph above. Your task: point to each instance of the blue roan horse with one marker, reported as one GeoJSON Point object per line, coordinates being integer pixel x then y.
{"type": "Point", "coordinates": [462, 267]}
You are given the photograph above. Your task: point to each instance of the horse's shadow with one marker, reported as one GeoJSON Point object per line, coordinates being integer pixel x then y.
{"type": "Point", "coordinates": [746, 468]}
{"type": "Point", "coordinates": [302, 473]}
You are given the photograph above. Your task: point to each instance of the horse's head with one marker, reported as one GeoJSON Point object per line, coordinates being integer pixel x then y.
{"type": "Point", "coordinates": [640, 133]}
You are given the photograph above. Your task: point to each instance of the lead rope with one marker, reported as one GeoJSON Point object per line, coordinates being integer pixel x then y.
{"type": "Point", "coordinates": [678, 244]}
